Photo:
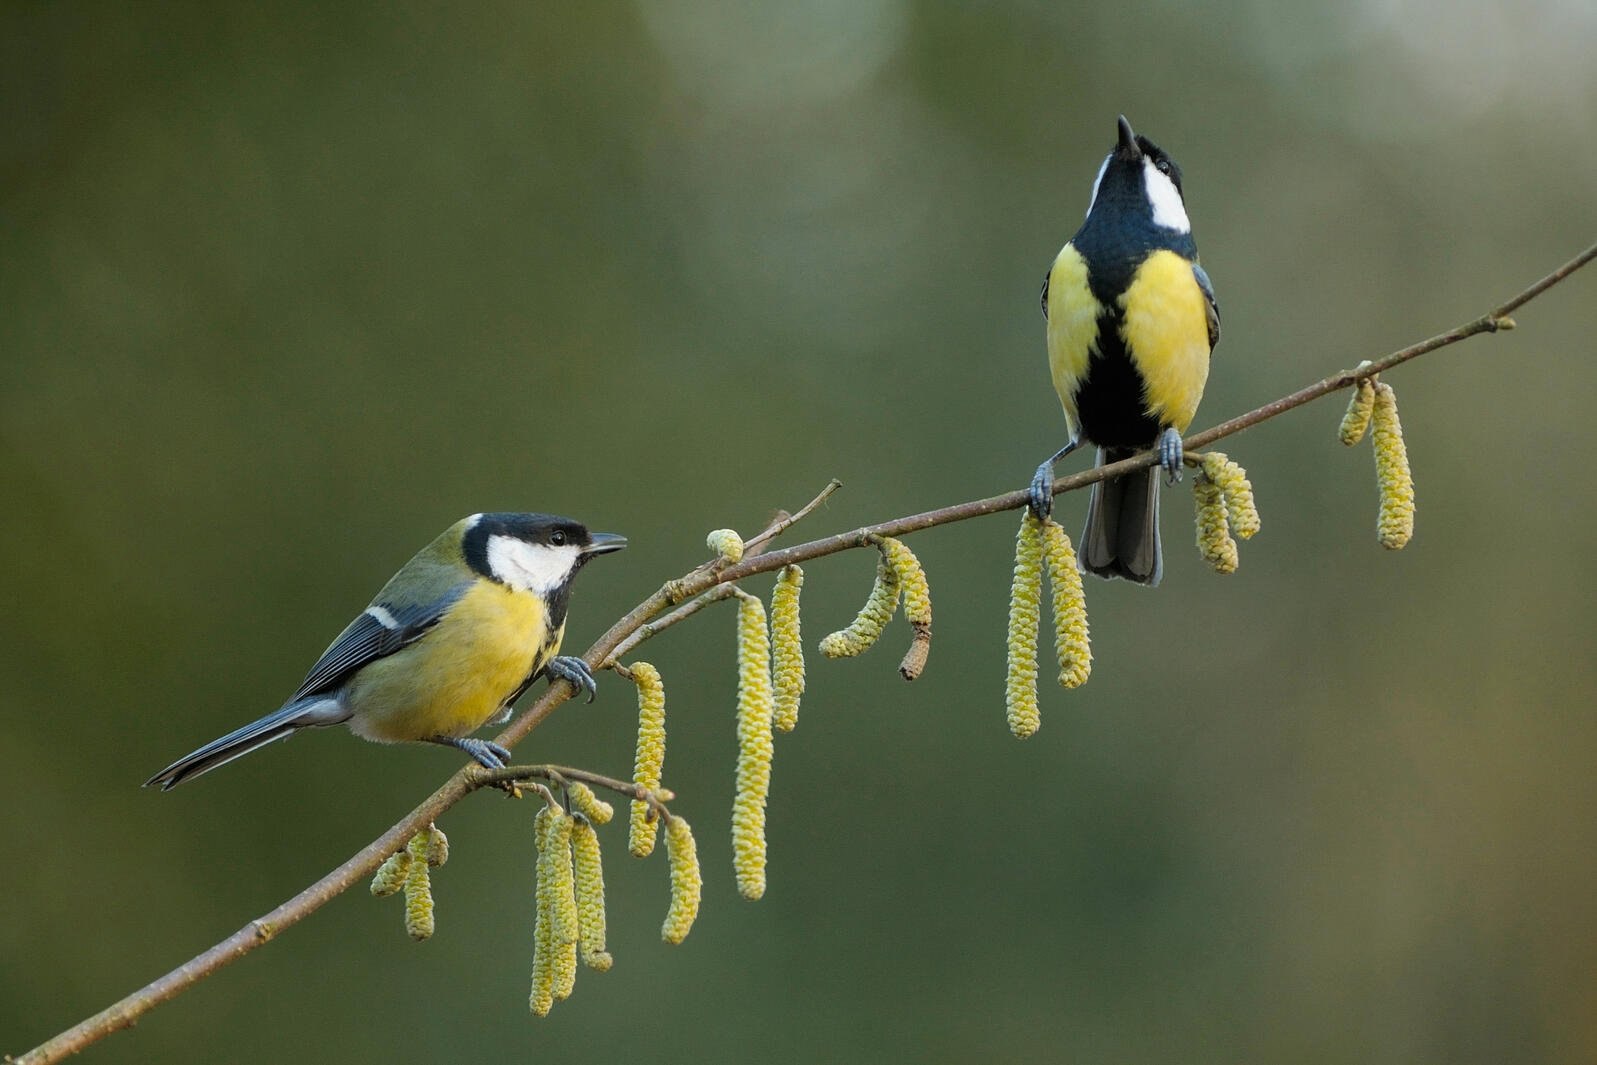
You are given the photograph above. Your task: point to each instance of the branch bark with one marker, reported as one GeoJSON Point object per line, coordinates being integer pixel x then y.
{"type": "Point", "coordinates": [363, 863]}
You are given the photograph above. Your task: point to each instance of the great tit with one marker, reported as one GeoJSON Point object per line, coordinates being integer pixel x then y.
{"type": "Point", "coordinates": [1132, 320]}
{"type": "Point", "coordinates": [450, 642]}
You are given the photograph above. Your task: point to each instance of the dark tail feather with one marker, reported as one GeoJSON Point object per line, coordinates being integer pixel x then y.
{"type": "Point", "coordinates": [1122, 535]}
{"type": "Point", "coordinates": [274, 726]}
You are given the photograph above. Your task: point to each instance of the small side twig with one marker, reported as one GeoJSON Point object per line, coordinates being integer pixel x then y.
{"type": "Point", "coordinates": [560, 775]}
{"type": "Point", "coordinates": [653, 628]}
{"type": "Point", "coordinates": [785, 521]}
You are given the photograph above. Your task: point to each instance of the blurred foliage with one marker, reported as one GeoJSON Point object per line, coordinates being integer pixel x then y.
{"type": "Point", "coordinates": [286, 289]}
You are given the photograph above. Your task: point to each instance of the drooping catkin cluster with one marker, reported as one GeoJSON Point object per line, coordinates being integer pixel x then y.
{"type": "Point", "coordinates": [650, 759]}
{"type": "Point", "coordinates": [787, 648]}
{"type": "Point", "coordinates": [408, 869]}
{"type": "Point", "coordinates": [558, 927]}
{"type": "Point", "coordinates": [898, 574]}
{"type": "Point", "coordinates": [1037, 542]}
{"type": "Point", "coordinates": [687, 886]}
{"type": "Point", "coordinates": [1374, 402]}
{"type": "Point", "coordinates": [1072, 644]}
{"type": "Point", "coordinates": [1237, 491]}
{"type": "Point", "coordinates": [1223, 497]}
{"type": "Point", "coordinates": [588, 879]}
{"type": "Point", "coordinates": [1395, 524]}
{"type": "Point", "coordinates": [755, 710]}
{"type": "Point", "coordinates": [726, 543]}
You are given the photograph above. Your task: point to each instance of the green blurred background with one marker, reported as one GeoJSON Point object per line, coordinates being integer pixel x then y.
{"type": "Point", "coordinates": [284, 290]}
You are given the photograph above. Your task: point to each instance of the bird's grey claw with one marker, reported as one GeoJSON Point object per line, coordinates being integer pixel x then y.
{"type": "Point", "coordinates": [1040, 493]}
{"type": "Point", "coordinates": [485, 753]}
{"type": "Point", "coordinates": [574, 670]}
{"type": "Point", "coordinates": [1170, 455]}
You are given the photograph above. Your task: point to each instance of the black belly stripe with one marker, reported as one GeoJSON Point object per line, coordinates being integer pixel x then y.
{"type": "Point", "coordinates": [1110, 400]}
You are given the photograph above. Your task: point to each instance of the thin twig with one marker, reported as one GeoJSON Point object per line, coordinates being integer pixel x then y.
{"type": "Point", "coordinates": [363, 863]}
{"type": "Point", "coordinates": [785, 522]}
{"type": "Point", "coordinates": [560, 775]}
{"type": "Point", "coordinates": [653, 628]}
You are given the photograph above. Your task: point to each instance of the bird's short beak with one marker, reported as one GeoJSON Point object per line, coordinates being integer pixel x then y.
{"type": "Point", "coordinates": [1128, 140]}
{"type": "Point", "coordinates": [604, 543]}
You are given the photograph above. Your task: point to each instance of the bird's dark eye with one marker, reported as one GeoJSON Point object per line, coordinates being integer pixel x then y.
{"type": "Point", "coordinates": [557, 538]}
{"type": "Point", "coordinates": [1163, 166]}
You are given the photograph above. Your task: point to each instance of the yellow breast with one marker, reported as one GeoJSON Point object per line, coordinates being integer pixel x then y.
{"type": "Point", "coordinates": [1072, 328]}
{"type": "Point", "coordinates": [458, 676]}
{"type": "Point", "coordinates": [1165, 327]}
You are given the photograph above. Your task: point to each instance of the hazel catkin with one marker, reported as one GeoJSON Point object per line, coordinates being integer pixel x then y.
{"type": "Point", "coordinates": [754, 747]}
{"type": "Point", "coordinates": [1072, 642]}
{"type": "Point", "coordinates": [649, 762]}
{"type": "Point", "coordinates": [1395, 524]}
{"type": "Point", "coordinates": [687, 885]}
{"type": "Point", "coordinates": [1025, 604]}
{"type": "Point", "coordinates": [787, 648]}
{"type": "Point", "coordinates": [866, 628]}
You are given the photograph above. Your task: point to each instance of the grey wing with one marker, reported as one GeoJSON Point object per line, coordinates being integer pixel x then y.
{"type": "Point", "coordinates": [379, 631]}
{"type": "Point", "coordinates": [1212, 307]}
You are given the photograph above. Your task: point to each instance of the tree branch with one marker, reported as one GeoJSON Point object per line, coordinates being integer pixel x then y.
{"type": "Point", "coordinates": [695, 583]}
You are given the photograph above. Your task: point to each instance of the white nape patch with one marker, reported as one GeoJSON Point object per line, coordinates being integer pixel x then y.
{"type": "Point", "coordinates": [1168, 210]}
{"type": "Point", "coordinates": [1098, 181]}
{"type": "Point", "coordinates": [537, 568]}
{"type": "Point", "coordinates": [383, 617]}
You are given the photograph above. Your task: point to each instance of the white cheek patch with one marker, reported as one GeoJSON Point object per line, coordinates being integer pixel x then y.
{"type": "Point", "coordinates": [1097, 181]}
{"type": "Point", "coordinates": [536, 568]}
{"type": "Point", "coordinates": [1168, 210]}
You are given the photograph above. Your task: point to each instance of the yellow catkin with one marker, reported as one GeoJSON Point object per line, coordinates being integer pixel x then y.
{"type": "Point", "coordinates": [1395, 526]}
{"type": "Point", "coordinates": [726, 543]}
{"type": "Point", "coordinates": [1214, 535]}
{"type": "Point", "coordinates": [542, 998]}
{"type": "Point", "coordinates": [787, 648]}
{"type": "Point", "coordinates": [917, 593]}
{"type": "Point", "coordinates": [590, 805]}
{"type": "Point", "coordinates": [564, 925]}
{"type": "Point", "coordinates": [1072, 642]}
{"type": "Point", "coordinates": [867, 627]}
{"type": "Point", "coordinates": [686, 884]}
{"type": "Point", "coordinates": [917, 604]}
{"type": "Point", "coordinates": [1025, 601]}
{"type": "Point", "coordinates": [650, 761]}
{"type": "Point", "coordinates": [391, 874]}
{"type": "Point", "coordinates": [588, 871]}
{"type": "Point", "coordinates": [1357, 419]}
{"type": "Point", "coordinates": [754, 748]}
{"type": "Point", "coordinates": [1237, 491]}
{"type": "Point", "coordinates": [418, 890]}
{"type": "Point", "coordinates": [565, 930]}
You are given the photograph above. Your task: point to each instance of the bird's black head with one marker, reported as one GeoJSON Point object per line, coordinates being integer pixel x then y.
{"type": "Point", "coordinates": [538, 553]}
{"type": "Point", "coordinates": [1139, 184]}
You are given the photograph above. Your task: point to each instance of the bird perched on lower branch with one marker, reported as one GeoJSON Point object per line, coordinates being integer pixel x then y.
{"type": "Point", "coordinates": [447, 646]}
{"type": "Point", "coordinates": [1132, 320]}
